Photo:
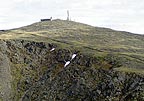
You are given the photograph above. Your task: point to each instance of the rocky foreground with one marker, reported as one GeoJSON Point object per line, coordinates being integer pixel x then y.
{"type": "Point", "coordinates": [31, 72]}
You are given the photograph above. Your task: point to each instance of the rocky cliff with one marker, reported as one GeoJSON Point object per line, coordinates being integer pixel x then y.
{"type": "Point", "coordinates": [31, 72]}
{"type": "Point", "coordinates": [33, 64]}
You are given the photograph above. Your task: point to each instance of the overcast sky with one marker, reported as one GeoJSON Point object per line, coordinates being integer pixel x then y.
{"type": "Point", "coordinates": [125, 15]}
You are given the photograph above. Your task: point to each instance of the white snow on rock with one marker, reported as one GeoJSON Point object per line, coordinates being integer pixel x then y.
{"type": "Point", "coordinates": [67, 63]}
{"type": "Point", "coordinates": [73, 56]}
{"type": "Point", "coordinates": [52, 49]}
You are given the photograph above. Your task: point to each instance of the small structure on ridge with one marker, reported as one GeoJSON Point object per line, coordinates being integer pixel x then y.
{"type": "Point", "coordinates": [46, 19]}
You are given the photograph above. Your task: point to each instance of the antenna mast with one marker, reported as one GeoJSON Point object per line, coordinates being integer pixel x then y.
{"type": "Point", "coordinates": [68, 15]}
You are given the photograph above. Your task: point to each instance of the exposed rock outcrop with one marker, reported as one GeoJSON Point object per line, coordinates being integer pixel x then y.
{"type": "Point", "coordinates": [38, 74]}
{"type": "Point", "coordinates": [5, 74]}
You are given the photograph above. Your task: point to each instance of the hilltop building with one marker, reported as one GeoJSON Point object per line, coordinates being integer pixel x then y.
{"type": "Point", "coordinates": [46, 19]}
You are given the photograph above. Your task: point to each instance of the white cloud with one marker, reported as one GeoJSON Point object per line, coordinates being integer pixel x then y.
{"type": "Point", "coordinates": [118, 14]}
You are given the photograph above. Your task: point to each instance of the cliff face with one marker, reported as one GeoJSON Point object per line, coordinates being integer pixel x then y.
{"type": "Point", "coordinates": [31, 71]}
{"type": "Point", "coordinates": [5, 73]}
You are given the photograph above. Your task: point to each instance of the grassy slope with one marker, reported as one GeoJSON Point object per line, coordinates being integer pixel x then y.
{"type": "Point", "coordinates": [88, 39]}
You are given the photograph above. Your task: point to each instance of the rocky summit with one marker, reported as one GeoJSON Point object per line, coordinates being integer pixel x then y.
{"type": "Point", "coordinates": [63, 60]}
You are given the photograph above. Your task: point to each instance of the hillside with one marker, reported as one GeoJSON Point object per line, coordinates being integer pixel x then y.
{"type": "Point", "coordinates": [109, 64]}
{"type": "Point", "coordinates": [87, 39]}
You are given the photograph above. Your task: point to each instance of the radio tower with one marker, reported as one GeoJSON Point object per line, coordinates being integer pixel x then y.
{"type": "Point", "coordinates": [68, 15]}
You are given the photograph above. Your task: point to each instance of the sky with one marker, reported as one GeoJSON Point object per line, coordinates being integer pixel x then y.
{"type": "Point", "coordinates": [124, 15]}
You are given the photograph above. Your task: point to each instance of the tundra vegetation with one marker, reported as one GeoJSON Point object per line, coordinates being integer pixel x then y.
{"type": "Point", "coordinates": [107, 65]}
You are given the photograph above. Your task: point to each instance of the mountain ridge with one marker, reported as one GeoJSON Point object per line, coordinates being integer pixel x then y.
{"type": "Point", "coordinates": [73, 34]}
